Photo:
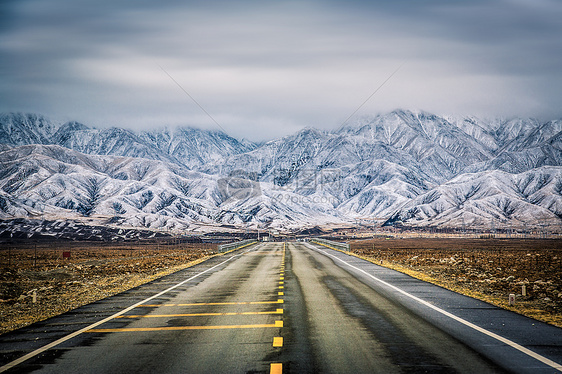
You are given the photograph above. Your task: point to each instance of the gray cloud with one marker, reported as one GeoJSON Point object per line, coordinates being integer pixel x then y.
{"type": "Point", "coordinates": [265, 69]}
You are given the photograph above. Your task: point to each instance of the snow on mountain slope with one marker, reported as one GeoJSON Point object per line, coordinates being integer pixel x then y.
{"type": "Point", "coordinates": [49, 177]}
{"type": "Point", "coordinates": [20, 129]}
{"type": "Point", "coordinates": [47, 180]}
{"type": "Point", "coordinates": [483, 198]}
{"type": "Point", "coordinates": [276, 161]}
{"type": "Point", "coordinates": [411, 167]}
{"type": "Point", "coordinates": [185, 146]}
{"type": "Point", "coordinates": [383, 188]}
{"type": "Point", "coordinates": [193, 147]}
{"type": "Point", "coordinates": [545, 153]}
{"type": "Point", "coordinates": [111, 141]}
{"type": "Point", "coordinates": [440, 149]}
{"type": "Point", "coordinates": [504, 135]}
{"type": "Point", "coordinates": [535, 137]}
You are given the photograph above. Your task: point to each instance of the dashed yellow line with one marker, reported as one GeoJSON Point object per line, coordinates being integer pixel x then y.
{"type": "Point", "coordinates": [278, 341]}
{"type": "Point", "coordinates": [177, 328]}
{"type": "Point", "coordinates": [277, 311]}
{"type": "Point", "coordinates": [276, 369]}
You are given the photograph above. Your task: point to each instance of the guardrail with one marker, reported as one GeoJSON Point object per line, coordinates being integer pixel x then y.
{"type": "Point", "coordinates": [331, 244]}
{"type": "Point", "coordinates": [235, 245]}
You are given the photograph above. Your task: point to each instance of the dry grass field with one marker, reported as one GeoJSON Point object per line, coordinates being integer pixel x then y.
{"type": "Point", "coordinates": [91, 272]}
{"type": "Point", "coordinates": [488, 269]}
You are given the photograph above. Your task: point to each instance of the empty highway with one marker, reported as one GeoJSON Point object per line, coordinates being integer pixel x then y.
{"type": "Point", "coordinates": [285, 308]}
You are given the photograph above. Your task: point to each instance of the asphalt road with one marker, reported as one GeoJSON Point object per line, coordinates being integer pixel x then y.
{"type": "Point", "coordinates": [290, 308]}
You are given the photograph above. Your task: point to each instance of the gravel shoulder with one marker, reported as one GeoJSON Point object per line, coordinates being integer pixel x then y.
{"type": "Point", "coordinates": [486, 269]}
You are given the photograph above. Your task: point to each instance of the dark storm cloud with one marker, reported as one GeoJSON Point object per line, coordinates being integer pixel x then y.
{"type": "Point", "coordinates": [266, 68]}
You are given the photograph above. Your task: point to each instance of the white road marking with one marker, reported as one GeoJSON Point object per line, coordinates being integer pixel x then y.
{"type": "Point", "coordinates": [76, 333]}
{"type": "Point", "coordinates": [519, 347]}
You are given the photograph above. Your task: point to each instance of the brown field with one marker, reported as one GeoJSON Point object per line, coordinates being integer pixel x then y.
{"type": "Point", "coordinates": [93, 272]}
{"type": "Point", "coordinates": [488, 269]}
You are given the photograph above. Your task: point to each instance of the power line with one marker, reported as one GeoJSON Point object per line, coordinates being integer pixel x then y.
{"type": "Point", "coordinates": [192, 98]}
{"type": "Point", "coordinates": [342, 125]}
{"type": "Point", "coordinates": [371, 95]}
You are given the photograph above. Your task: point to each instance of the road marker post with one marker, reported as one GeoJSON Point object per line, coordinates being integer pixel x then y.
{"type": "Point", "coordinates": [511, 299]}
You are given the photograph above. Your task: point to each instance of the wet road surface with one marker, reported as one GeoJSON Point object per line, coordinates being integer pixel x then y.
{"type": "Point", "coordinates": [284, 308]}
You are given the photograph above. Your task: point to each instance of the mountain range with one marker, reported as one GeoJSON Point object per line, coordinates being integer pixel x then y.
{"type": "Point", "coordinates": [404, 167]}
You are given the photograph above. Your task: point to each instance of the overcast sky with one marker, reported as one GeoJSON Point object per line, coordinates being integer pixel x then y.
{"type": "Point", "coordinates": [263, 68]}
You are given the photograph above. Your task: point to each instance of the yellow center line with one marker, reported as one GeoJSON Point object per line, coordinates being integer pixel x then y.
{"type": "Point", "coordinates": [205, 304]}
{"type": "Point", "coordinates": [276, 368]}
{"type": "Point", "coordinates": [278, 311]}
{"type": "Point", "coordinates": [278, 341]}
{"type": "Point", "coordinates": [177, 328]}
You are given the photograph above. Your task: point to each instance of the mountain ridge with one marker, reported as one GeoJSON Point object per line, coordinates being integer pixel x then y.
{"type": "Point", "coordinates": [413, 168]}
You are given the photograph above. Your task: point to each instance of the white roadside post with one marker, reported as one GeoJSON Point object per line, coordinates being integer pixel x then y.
{"type": "Point", "coordinates": [511, 299]}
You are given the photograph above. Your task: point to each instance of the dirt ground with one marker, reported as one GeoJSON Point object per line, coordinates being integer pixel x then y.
{"type": "Point", "coordinates": [488, 269]}
{"type": "Point", "coordinates": [92, 272]}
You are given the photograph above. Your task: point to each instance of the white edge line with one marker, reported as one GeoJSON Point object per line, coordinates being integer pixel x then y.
{"type": "Point", "coordinates": [512, 344]}
{"type": "Point", "coordinates": [83, 330]}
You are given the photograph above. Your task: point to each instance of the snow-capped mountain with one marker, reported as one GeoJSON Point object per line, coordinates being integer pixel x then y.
{"type": "Point", "coordinates": [413, 168]}
{"type": "Point", "coordinates": [195, 148]}
{"type": "Point", "coordinates": [490, 196]}
{"type": "Point", "coordinates": [21, 129]}
{"type": "Point", "coordinates": [185, 146]}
